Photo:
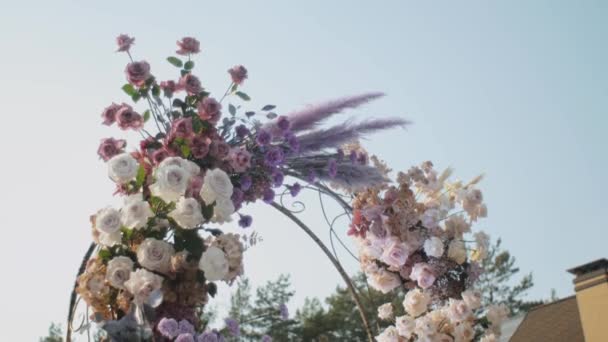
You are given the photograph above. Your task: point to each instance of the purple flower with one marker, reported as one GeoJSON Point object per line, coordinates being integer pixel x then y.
{"type": "Point", "coordinates": [237, 197]}
{"type": "Point", "coordinates": [241, 131]}
{"type": "Point", "coordinates": [340, 155]}
{"type": "Point", "coordinates": [284, 312]}
{"type": "Point", "coordinates": [268, 195]}
{"type": "Point", "coordinates": [137, 73]}
{"type": "Point", "coordinates": [274, 156]}
{"type": "Point", "coordinates": [185, 327]}
{"type": "Point", "coordinates": [238, 74]}
{"type": "Point", "coordinates": [294, 190]}
{"type": "Point", "coordinates": [292, 141]}
{"type": "Point", "coordinates": [239, 159]}
{"type": "Point", "coordinates": [185, 338]}
{"type": "Point", "coordinates": [200, 146]}
{"type": "Point", "coordinates": [233, 327]}
{"type": "Point", "coordinates": [353, 156]}
{"type": "Point", "coordinates": [188, 45]}
{"type": "Point", "coordinates": [191, 84]}
{"type": "Point", "coordinates": [209, 109]}
{"type": "Point", "coordinates": [219, 149]}
{"type": "Point", "coordinates": [263, 137]}
{"type": "Point", "coordinates": [245, 221]}
{"type": "Point", "coordinates": [246, 182]}
{"type": "Point", "coordinates": [283, 123]}
{"type": "Point", "coordinates": [277, 178]}
{"type": "Point", "coordinates": [168, 327]}
{"type": "Point", "coordinates": [110, 147]}
{"type": "Point", "coordinates": [362, 158]}
{"type": "Point", "coordinates": [124, 42]}
{"type": "Point", "coordinates": [332, 168]}
{"type": "Point", "coordinates": [312, 176]}
{"type": "Point", "coordinates": [127, 118]}
{"type": "Point", "coordinates": [182, 128]}
{"type": "Point", "coordinates": [266, 338]}
{"type": "Point", "coordinates": [207, 337]}
{"type": "Point", "coordinates": [109, 114]}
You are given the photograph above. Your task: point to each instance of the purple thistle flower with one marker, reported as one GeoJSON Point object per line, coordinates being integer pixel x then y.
{"type": "Point", "coordinates": [233, 327]}
{"type": "Point", "coordinates": [274, 156]}
{"type": "Point", "coordinates": [185, 338]}
{"type": "Point", "coordinates": [207, 337]}
{"type": "Point", "coordinates": [294, 190]}
{"type": "Point", "coordinates": [266, 338]}
{"type": "Point", "coordinates": [263, 137]}
{"type": "Point", "coordinates": [332, 168]}
{"type": "Point", "coordinates": [283, 123]}
{"type": "Point", "coordinates": [277, 178]}
{"type": "Point", "coordinates": [268, 195]}
{"type": "Point", "coordinates": [241, 131]}
{"type": "Point", "coordinates": [185, 327]}
{"type": "Point", "coordinates": [284, 312]}
{"type": "Point", "coordinates": [245, 221]}
{"type": "Point", "coordinates": [168, 327]}
{"type": "Point", "coordinates": [292, 141]}
{"type": "Point", "coordinates": [246, 182]}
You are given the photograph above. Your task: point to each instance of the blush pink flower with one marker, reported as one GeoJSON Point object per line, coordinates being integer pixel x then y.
{"type": "Point", "coordinates": [110, 147]}
{"type": "Point", "coordinates": [168, 87]}
{"type": "Point", "coordinates": [127, 118]}
{"type": "Point", "coordinates": [109, 114]}
{"type": "Point", "coordinates": [200, 147]}
{"type": "Point", "coordinates": [159, 155]}
{"type": "Point", "coordinates": [238, 74]}
{"type": "Point", "coordinates": [188, 45]}
{"type": "Point", "coordinates": [124, 42]}
{"type": "Point", "coordinates": [396, 253]}
{"type": "Point", "coordinates": [219, 149]}
{"type": "Point", "coordinates": [137, 73]}
{"type": "Point", "coordinates": [240, 159]}
{"type": "Point", "coordinates": [209, 109]}
{"type": "Point", "coordinates": [423, 274]}
{"type": "Point", "coordinates": [182, 128]}
{"type": "Point", "coordinates": [191, 84]}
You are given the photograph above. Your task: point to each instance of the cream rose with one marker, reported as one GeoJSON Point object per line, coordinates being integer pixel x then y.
{"type": "Point", "coordinates": [171, 182]}
{"type": "Point", "coordinates": [458, 310]}
{"type": "Point", "coordinates": [385, 311]}
{"type": "Point", "coordinates": [216, 184]}
{"type": "Point", "coordinates": [472, 298]}
{"type": "Point", "coordinates": [155, 255]}
{"type": "Point", "coordinates": [118, 271]}
{"type": "Point", "coordinates": [390, 334]}
{"type": "Point", "coordinates": [122, 168]}
{"type": "Point", "coordinates": [136, 212]}
{"type": "Point", "coordinates": [464, 332]}
{"type": "Point", "coordinates": [384, 281]}
{"type": "Point", "coordinates": [222, 210]}
{"type": "Point", "coordinates": [433, 247]}
{"type": "Point", "coordinates": [142, 283]}
{"type": "Point", "coordinates": [497, 314]}
{"type": "Point", "coordinates": [416, 302]}
{"type": "Point", "coordinates": [395, 254]}
{"type": "Point", "coordinates": [405, 326]}
{"type": "Point", "coordinates": [457, 251]}
{"type": "Point", "coordinates": [214, 263]}
{"type": "Point", "coordinates": [187, 213]}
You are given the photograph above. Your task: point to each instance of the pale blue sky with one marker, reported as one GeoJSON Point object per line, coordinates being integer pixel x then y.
{"type": "Point", "coordinates": [517, 90]}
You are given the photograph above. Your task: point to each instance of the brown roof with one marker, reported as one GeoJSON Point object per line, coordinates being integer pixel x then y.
{"type": "Point", "coordinates": [554, 322]}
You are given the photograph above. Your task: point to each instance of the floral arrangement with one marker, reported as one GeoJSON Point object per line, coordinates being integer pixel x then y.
{"type": "Point", "coordinates": [158, 257]}
{"type": "Point", "coordinates": [413, 236]}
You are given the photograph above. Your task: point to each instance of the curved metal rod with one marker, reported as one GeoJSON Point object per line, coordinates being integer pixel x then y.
{"type": "Point", "coordinates": [83, 266]}
{"type": "Point", "coordinates": [328, 253]}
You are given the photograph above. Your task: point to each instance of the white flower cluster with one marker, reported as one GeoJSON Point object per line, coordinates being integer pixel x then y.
{"type": "Point", "coordinates": [134, 214]}
{"type": "Point", "coordinates": [223, 259]}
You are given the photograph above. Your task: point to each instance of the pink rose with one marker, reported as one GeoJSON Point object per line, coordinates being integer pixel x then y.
{"type": "Point", "coordinates": [423, 274]}
{"type": "Point", "coordinates": [395, 255]}
{"type": "Point", "coordinates": [109, 114]}
{"type": "Point", "coordinates": [200, 147]}
{"type": "Point", "coordinates": [168, 87]}
{"type": "Point", "coordinates": [188, 45]}
{"type": "Point", "coordinates": [238, 74]}
{"type": "Point", "coordinates": [127, 118]}
{"type": "Point", "coordinates": [159, 155]}
{"type": "Point", "coordinates": [191, 84]}
{"type": "Point", "coordinates": [137, 73]}
{"type": "Point", "coordinates": [182, 128]}
{"type": "Point", "coordinates": [219, 149]}
{"type": "Point", "coordinates": [110, 147]}
{"type": "Point", "coordinates": [124, 42]}
{"type": "Point", "coordinates": [209, 109]}
{"type": "Point", "coordinates": [239, 159]}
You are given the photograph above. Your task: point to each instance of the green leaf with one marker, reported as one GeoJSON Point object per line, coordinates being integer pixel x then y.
{"type": "Point", "coordinates": [271, 115]}
{"type": "Point", "coordinates": [129, 89]}
{"type": "Point", "coordinates": [175, 61]}
{"type": "Point", "coordinates": [232, 109]}
{"type": "Point", "coordinates": [234, 87]}
{"type": "Point", "coordinates": [185, 150]}
{"type": "Point", "coordinates": [105, 255]}
{"type": "Point", "coordinates": [242, 95]}
{"type": "Point", "coordinates": [268, 107]}
{"type": "Point", "coordinates": [146, 115]}
{"type": "Point", "coordinates": [141, 176]}
{"type": "Point", "coordinates": [135, 97]}
{"type": "Point", "coordinates": [156, 90]}
{"type": "Point", "coordinates": [189, 65]}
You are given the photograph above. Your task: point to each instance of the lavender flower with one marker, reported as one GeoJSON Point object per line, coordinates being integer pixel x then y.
{"type": "Point", "coordinates": [292, 141]}
{"type": "Point", "coordinates": [207, 337]}
{"type": "Point", "coordinates": [168, 327]}
{"type": "Point", "coordinates": [284, 312]}
{"type": "Point", "coordinates": [124, 42]}
{"type": "Point", "coordinates": [268, 195]}
{"type": "Point", "coordinates": [294, 190]}
{"type": "Point", "coordinates": [340, 155]}
{"type": "Point", "coordinates": [266, 338]}
{"type": "Point", "coordinates": [246, 182]}
{"type": "Point", "coordinates": [353, 156]}
{"type": "Point", "coordinates": [332, 168]}
{"type": "Point", "coordinates": [311, 177]}
{"type": "Point", "coordinates": [185, 338]}
{"type": "Point", "coordinates": [274, 156]}
{"type": "Point", "coordinates": [283, 123]}
{"type": "Point", "coordinates": [263, 137]}
{"type": "Point", "coordinates": [233, 327]}
{"type": "Point", "coordinates": [277, 178]}
{"type": "Point", "coordinates": [241, 131]}
{"type": "Point", "coordinates": [185, 327]}
{"type": "Point", "coordinates": [245, 221]}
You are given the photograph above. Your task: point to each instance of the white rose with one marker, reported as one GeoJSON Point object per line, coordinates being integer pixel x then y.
{"type": "Point", "coordinates": [433, 247]}
{"type": "Point", "coordinates": [214, 264]}
{"type": "Point", "coordinates": [416, 302]}
{"type": "Point", "coordinates": [136, 212]}
{"type": "Point", "coordinates": [389, 334]}
{"type": "Point", "coordinates": [118, 271]}
{"type": "Point", "coordinates": [142, 283]}
{"type": "Point", "coordinates": [458, 310]}
{"type": "Point", "coordinates": [107, 220]}
{"type": "Point", "coordinates": [384, 281]}
{"type": "Point", "coordinates": [171, 182]}
{"type": "Point", "coordinates": [472, 298]}
{"type": "Point", "coordinates": [155, 255]}
{"type": "Point", "coordinates": [385, 311]}
{"type": "Point", "coordinates": [185, 164]}
{"type": "Point", "coordinates": [216, 184]}
{"type": "Point", "coordinates": [110, 240]}
{"type": "Point", "coordinates": [405, 326]}
{"type": "Point", "coordinates": [464, 332]}
{"type": "Point", "coordinates": [122, 168]}
{"type": "Point", "coordinates": [371, 247]}
{"type": "Point", "coordinates": [497, 314]}
{"type": "Point", "coordinates": [457, 251]}
{"type": "Point", "coordinates": [187, 213]}
{"type": "Point", "coordinates": [222, 210]}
